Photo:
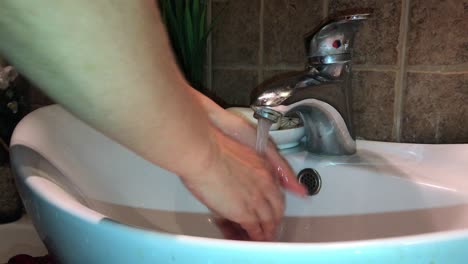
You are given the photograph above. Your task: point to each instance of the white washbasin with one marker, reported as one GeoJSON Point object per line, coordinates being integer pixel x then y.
{"type": "Point", "coordinates": [93, 201]}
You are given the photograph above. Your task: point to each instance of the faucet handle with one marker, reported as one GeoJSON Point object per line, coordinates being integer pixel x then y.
{"type": "Point", "coordinates": [332, 41]}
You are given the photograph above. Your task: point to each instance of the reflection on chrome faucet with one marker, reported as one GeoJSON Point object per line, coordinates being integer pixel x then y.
{"type": "Point", "coordinates": [320, 95]}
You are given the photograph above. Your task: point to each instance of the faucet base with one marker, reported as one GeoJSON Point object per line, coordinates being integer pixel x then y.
{"type": "Point", "coordinates": [326, 130]}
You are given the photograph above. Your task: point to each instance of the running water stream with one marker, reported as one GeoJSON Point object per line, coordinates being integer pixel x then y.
{"type": "Point", "coordinates": [263, 129]}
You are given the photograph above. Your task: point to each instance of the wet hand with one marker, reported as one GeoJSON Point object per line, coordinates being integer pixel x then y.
{"type": "Point", "coordinates": [239, 185]}
{"type": "Point", "coordinates": [247, 194]}
{"type": "Point", "coordinates": [239, 129]}
{"type": "Point", "coordinates": [242, 131]}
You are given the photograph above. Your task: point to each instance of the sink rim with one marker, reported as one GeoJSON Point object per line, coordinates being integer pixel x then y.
{"type": "Point", "coordinates": [72, 207]}
{"type": "Point", "coordinates": [86, 214]}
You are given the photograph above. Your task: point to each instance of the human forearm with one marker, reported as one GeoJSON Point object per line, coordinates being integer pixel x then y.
{"type": "Point", "coordinates": [108, 63]}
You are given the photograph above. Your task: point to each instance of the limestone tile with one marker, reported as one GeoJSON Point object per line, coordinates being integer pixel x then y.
{"type": "Point", "coordinates": [436, 108]}
{"type": "Point", "coordinates": [274, 74]}
{"type": "Point", "coordinates": [234, 86]}
{"type": "Point", "coordinates": [236, 32]}
{"type": "Point", "coordinates": [376, 41]}
{"type": "Point", "coordinates": [285, 24]}
{"type": "Point", "coordinates": [438, 32]}
{"type": "Point", "coordinates": [372, 104]}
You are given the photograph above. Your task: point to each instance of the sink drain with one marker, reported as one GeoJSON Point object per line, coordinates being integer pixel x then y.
{"type": "Point", "coordinates": [310, 178]}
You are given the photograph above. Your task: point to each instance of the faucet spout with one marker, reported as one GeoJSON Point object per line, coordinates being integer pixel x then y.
{"type": "Point", "coordinates": [326, 131]}
{"type": "Point", "coordinates": [320, 94]}
{"type": "Point", "coordinates": [320, 102]}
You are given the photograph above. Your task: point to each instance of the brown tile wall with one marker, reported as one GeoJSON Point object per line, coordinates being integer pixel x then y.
{"type": "Point", "coordinates": [236, 35]}
{"type": "Point", "coordinates": [377, 39]}
{"type": "Point", "coordinates": [410, 61]}
{"type": "Point", "coordinates": [283, 31]}
{"type": "Point", "coordinates": [373, 101]}
{"type": "Point", "coordinates": [233, 85]}
{"type": "Point", "coordinates": [410, 81]}
{"type": "Point", "coordinates": [438, 32]}
{"type": "Point", "coordinates": [436, 108]}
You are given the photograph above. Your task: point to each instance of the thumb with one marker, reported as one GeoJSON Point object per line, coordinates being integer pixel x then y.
{"type": "Point", "coordinates": [284, 172]}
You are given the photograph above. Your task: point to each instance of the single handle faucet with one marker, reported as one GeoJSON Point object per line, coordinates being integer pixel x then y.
{"type": "Point", "coordinates": [320, 94]}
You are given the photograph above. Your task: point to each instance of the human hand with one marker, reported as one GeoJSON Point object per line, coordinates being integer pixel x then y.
{"type": "Point", "coordinates": [244, 132]}
{"type": "Point", "coordinates": [239, 185]}
{"type": "Point", "coordinates": [241, 130]}
{"type": "Point", "coordinates": [231, 230]}
{"type": "Point", "coordinates": [258, 206]}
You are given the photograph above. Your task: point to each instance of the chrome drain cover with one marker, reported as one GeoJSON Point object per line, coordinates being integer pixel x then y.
{"type": "Point", "coordinates": [311, 179]}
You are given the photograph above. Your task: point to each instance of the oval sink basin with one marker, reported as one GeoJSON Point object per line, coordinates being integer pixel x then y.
{"type": "Point", "coordinates": [94, 201]}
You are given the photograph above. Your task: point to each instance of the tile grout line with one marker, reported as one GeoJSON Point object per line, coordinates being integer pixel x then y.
{"type": "Point", "coordinates": [380, 68]}
{"type": "Point", "coordinates": [260, 47]}
{"type": "Point", "coordinates": [431, 69]}
{"type": "Point", "coordinates": [437, 72]}
{"type": "Point", "coordinates": [357, 67]}
{"type": "Point", "coordinates": [400, 80]}
{"type": "Point", "coordinates": [439, 69]}
{"type": "Point", "coordinates": [235, 67]}
{"type": "Point", "coordinates": [376, 68]}
{"type": "Point", "coordinates": [209, 50]}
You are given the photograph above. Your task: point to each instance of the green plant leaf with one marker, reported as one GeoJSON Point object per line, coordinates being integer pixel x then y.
{"type": "Point", "coordinates": [177, 36]}
{"type": "Point", "coordinates": [189, 28]}
{"type": "Point", "coordinates": [201, 30]}
{"type": "Point", "coordinates": [179, 8]}
{"type": "Point", "coordinates": [214, 22]}
{"type": "Point", "coordinates": [163, 7]}
{"type": "Point", "coordinates": [196, 16]}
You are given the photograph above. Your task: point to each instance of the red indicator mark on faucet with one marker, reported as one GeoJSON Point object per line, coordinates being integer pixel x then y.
{"type": "Point", "coordinates": [336, 44]}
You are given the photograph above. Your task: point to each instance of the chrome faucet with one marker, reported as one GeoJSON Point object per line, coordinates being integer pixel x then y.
{"type": "Point", "coordinates": [320, 94]}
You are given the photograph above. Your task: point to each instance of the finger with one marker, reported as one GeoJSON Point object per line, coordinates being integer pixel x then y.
{"type": "Point", "coordinates": [231, 230]}
{"type": "Point", "coordinates": [289, 181]}
{"type": "Point", "coordinates": [258, 226]}
{"type": "Point", "coordinates": [261, 207]}
{"type": "Point", "coordinates": [284, 172]}
{"type": "Point", "coordinates": [254, 230]}
{"type": "Point", "coordinates": [232, 124]}
{"type": "Point", "coordinates": [273, 193]}
{"type": "Point", "coordinates": [266, 215]}
{"type": "Point", "coordinates": [275, 199]}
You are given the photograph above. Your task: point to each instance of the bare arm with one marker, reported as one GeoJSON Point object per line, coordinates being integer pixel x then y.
{"type": "Point", "coordinates": [109, 63]}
